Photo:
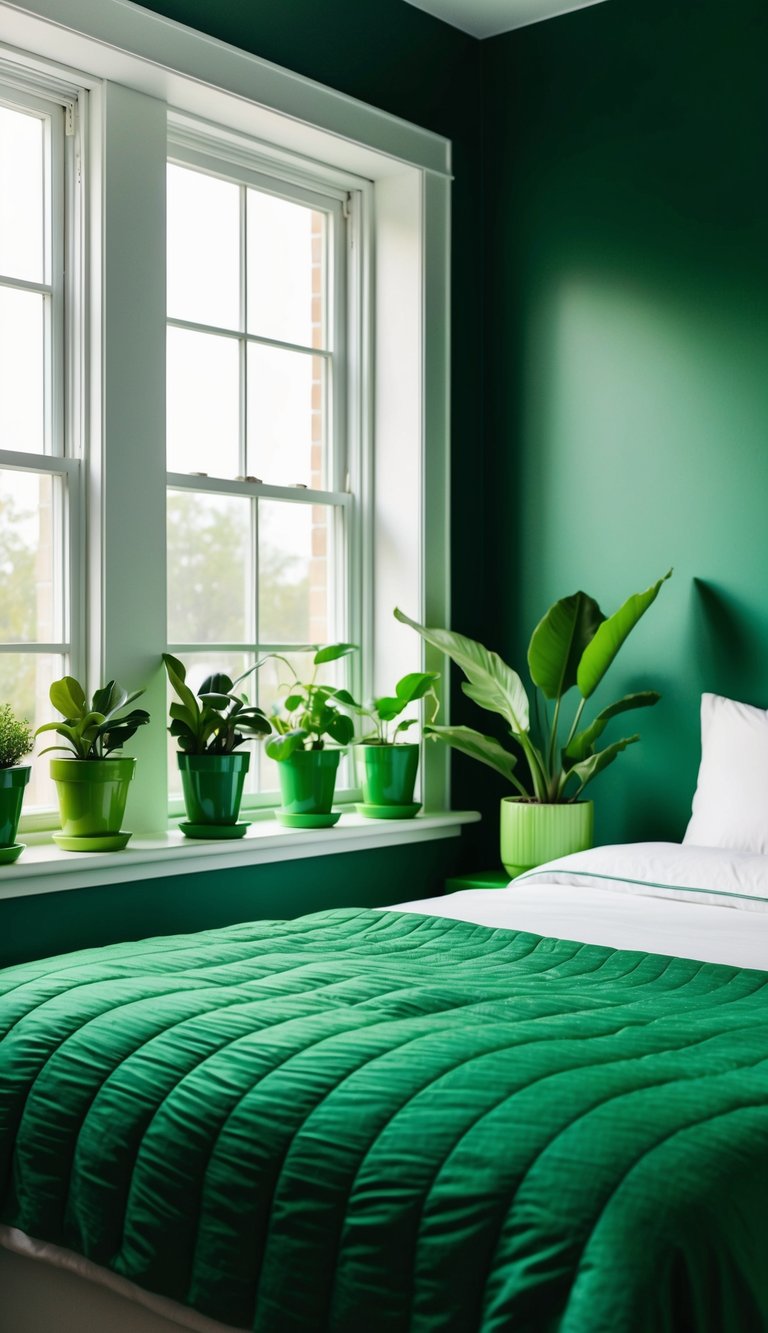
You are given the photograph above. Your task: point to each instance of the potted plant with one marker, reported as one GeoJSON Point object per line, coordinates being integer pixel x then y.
{"type": "Point", "coordinates": [390, 765]}
{"type": "Point", "coordinates": [209, 726]}
{"type": "Point", "coordinates": [92, 783]}
{"type": "Point", "coordinates": [306, 720]}
{"type": "Point", "coordinates": [16, 741]}
{"type": "Point", "coordinates": [572, 647]}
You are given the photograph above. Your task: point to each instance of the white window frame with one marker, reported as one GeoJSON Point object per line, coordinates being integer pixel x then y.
{"type": "Point", "coordinates": [344, 197]}
{"type": "Point", "coordinates": [57, 102]}
{"type": "Point", "coordinates": [139, 67]}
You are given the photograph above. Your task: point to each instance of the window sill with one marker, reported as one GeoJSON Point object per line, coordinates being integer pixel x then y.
{"type": "Point", "coordinates": [45, 868]}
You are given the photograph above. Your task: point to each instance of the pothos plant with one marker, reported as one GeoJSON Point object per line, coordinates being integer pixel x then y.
{"type": "Point", "coordinates": [215, 720]}
{"type": "Point", "coordinates": [93, 730]}
{"type": "Point", "coordinates": [572, 647]}
{"type": "Point", "coordinates": [308, 715]}
{"type": "Point", "coordinates": [385, 711]}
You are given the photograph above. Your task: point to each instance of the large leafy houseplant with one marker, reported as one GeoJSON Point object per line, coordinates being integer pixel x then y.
{"type": "Point", "coordinates": [209, 725]}
{"type": "Point", "coordinates": [92, 782]}
{"type": "Point", "coordinates": [571, 649]}
{"type": "Point", "coordinates": [306, 720]}
{"type": "Point", "coordinates": [16, 742]}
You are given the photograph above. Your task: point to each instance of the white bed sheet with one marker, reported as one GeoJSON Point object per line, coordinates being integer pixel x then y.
{"type": "Point", "coordinates": [620, 920]}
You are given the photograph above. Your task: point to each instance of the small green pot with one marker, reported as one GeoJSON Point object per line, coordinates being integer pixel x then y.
{"type": "Point", "coordinates": [213, 786]}
{"type": "Point", "coordinates": [389, 774]}
{"type": "Point", "coordinates": [308, 781]}
{"type": "Point", "coordinates": [532, 833]}
{"type": "Point", "coordinates": [12, 783]}
{"type": "Point", "coordinates": [92, 794]}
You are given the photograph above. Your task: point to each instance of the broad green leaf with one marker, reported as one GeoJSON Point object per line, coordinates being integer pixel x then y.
{"type": "Point", "coordinates": [477, 746]}
{"type": "Point", "coordinates": [559, 640]}
{"type": "Point", "coordinates": [600, 652]}
{"type": "Point", "coordinates": [63, 728]}
{"type": "Point", "coordinates": [217, 701]}
{"type": "Point", "coordinates": [589, 768]}
{"type": "Point", "coordinates": [109, 698]}
{"type": "Point", "coordinates": [340, 728]}
{"type": "Point", "coordinates": [282, 747]}
{"type": "Point", "coordinates": [495, 686]}
{"type": "Point", "coordinates": [389, 707]}
{"type": "Point", "coordinates": [139, 717]}
{"type": "Point", "coordinates": [254, 721]}
{"type": "Point", "coordinates": [116, 738]}
{"type": "Point", "coordinates": [218, 683]}
{"type": "Point", "coordinates": [89, 722]}
{"type": "Point", "coordinates": [177, 675]}
{"type": "Point", "coordinates": [180, 713]}
{"type": "Point", "coordinates": [332, 651]}
{"type": "Point", "coordinates": [415, 685]}
{"type": "Point", "coordinates": [292, 702]}
{"type": "Point", "coordinates": [583, 742]}
{"type": "Point", "coordinates": [68, 697]}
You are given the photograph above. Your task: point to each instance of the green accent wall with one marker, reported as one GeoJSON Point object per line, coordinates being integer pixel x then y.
{"type": "Point", "coordinates": [41, 925]}
{"type": "Point", "coordinates": [627, 358]}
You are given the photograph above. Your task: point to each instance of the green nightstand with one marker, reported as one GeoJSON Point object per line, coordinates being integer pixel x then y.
{"type": "Point", "coordinates": [477, 879]}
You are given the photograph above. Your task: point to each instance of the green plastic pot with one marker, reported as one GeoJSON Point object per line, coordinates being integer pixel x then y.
{"type": "Point", "coordinates": [213, 786]}
{"type": "Point", "coordinates": [308, 781]}
{"type": "Point", "coordinates": [12, 783]}
{"type": "Point", "coordinates": [532, 834]}
{"type": "Point", "coordinates": [389, 774]}
{"type": "Point", "coordinates": [92, 794]}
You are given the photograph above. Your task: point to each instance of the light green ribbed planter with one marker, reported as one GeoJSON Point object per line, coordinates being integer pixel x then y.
{"type": "Point", "coordinates": [532, 834]}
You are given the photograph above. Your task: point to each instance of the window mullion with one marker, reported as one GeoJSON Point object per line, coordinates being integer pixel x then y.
{"type": "Point", "coordinates": [243, 346]}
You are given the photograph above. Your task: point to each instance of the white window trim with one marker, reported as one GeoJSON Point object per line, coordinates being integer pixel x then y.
{"type": "Point", "coordinates": [133, 56]}
{"type": "Point", "coordinates": [62, 457]}
{"type": "Point", "coordinates": [45, 868]}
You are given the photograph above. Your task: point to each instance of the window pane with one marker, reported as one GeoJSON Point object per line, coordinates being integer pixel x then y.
{"type": "Point", "coordinates": [203, 403]}
{"type": "Point", "coordinates": [286, 270]}
{"type": "Point", "coordinates": [25, 679]}
{"type": "Point", "coordinates": [203, 249]}
{"type": "Point", "coordinates": [209, 569]}
{"type": "Point", "coordinates": [22, 166]}
{"type": "Point", "coordinates": [22, 371]}
{"type": "Point", "coordinates": [294, 564]}
{"type": "Point", "coordinates": [30, 558]}
{"type": "Point", "coordinates": [286, 416]}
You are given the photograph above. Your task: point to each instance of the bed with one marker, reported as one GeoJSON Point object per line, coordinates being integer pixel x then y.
{"type": "Point", "coordinates": [537, 1108]}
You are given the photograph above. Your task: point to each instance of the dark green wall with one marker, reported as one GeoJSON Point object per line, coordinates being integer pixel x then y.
{"type": "Point", "coordinates": [52, 923]}
{"type": "Point", "coordinates": [627, 355]}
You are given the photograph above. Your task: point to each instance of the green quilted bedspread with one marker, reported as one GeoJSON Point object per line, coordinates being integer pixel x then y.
{"type": "Point", "coordinates": [363, 1121]}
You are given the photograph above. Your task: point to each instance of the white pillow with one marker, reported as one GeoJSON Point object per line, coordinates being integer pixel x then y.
{"type": "Point", "coordinates": [663, 870]}
{"type": "Point", "coordinates": [730, 805]}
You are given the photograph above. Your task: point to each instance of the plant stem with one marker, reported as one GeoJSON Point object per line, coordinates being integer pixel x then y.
{"type": "Point", "coordinates": [553, 735]}
{"type": "Point", "coordinates": [575, 723]}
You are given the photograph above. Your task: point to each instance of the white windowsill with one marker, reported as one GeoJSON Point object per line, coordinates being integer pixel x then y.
{"type": "Point", "coordinates": [45, 868]}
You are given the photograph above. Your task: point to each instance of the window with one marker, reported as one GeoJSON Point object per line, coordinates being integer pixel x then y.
{"type": "Point", "coordinates": [256, 439]}
{"type": "Point", "coordinates": [329, 501]}
{"type": "Point", "coordinates": [39, 477]}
